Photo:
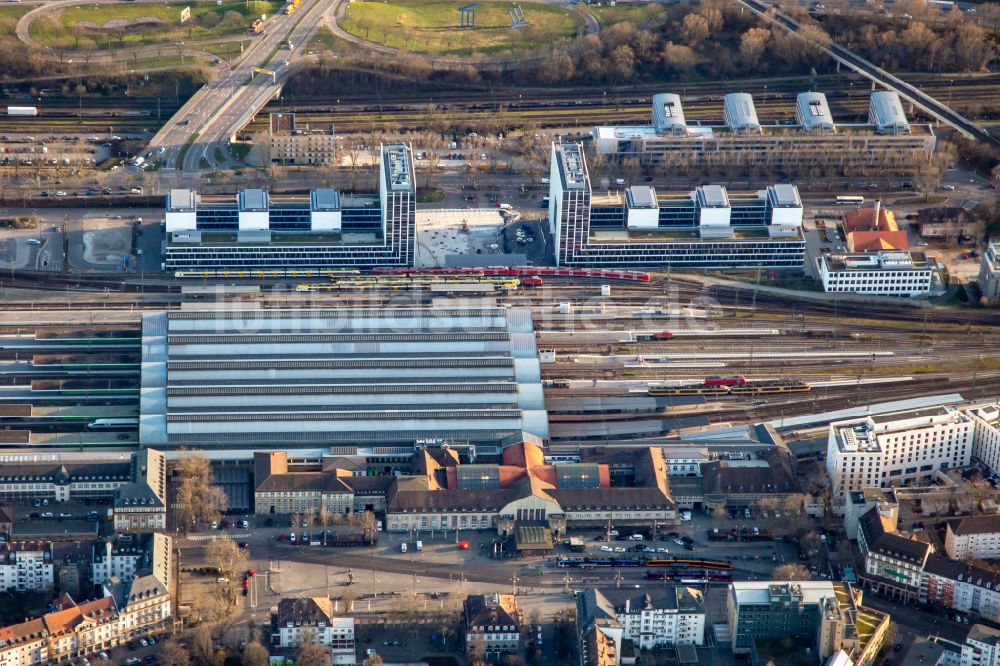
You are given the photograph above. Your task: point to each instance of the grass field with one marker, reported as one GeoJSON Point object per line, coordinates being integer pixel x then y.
{"type": "Point", "coordinates": [9, 17]}
{"type": "Point", "coordinates": [631, 13]}
{"type": "Point", "coordinates": [432, 26]}
{"type": "Point", "coordinates": [84, 26]}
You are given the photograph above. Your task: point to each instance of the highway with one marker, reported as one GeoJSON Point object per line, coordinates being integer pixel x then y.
{"type": "Point", "coordinates": [190, 139]}
{"type": "Point", "coordinates": [879, 75]}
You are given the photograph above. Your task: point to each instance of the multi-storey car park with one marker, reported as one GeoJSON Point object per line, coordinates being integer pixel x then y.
{"type": "Point", "coordinates": [322, 230]}
{"type": "Point", "coordinates": [320, 378]}
{"type": "Point", "coordinates": [887, 141]}
{"type": "Point", "coordinates": [706, 228]}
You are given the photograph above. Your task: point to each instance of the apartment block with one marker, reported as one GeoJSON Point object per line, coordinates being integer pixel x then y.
{"type": "Point", "coordinates": [674, 615]}
{"type": "Point", "coordinates": [125, 556]}
{"type": "Point", "coordinates": [318, 616]}
{"type": "Point", "coordinates": [975, 536]}
{"type": "Point", "coordinates": [141, 506]}
{"type": "Point", "coordinates": [962, 587]}
{"type": "Point", "coordinates": [72, 631]}
{"type": "Point", "coordinates": [292, 143]}
{"type": "Point", "coordinates": [26, 567]}
{"type": "Point", "coordinates": [492, 625]}
{"type": "Point", "coordinates": [894, 564]}
{"type": "Point", "coordinates": [890, 449]}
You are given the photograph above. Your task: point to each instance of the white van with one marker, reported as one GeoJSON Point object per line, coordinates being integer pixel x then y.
{"type": "Point", "coordinates": [402, 547]}
{"type": "Point", "coordinates": [420, 545]}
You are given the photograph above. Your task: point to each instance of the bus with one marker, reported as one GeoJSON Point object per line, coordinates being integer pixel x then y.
{"type": "Point", "coordinates": [849, 199]}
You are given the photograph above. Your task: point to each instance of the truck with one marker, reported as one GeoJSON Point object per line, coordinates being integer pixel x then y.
{"type": "Point", "coordinates": [22, 110]}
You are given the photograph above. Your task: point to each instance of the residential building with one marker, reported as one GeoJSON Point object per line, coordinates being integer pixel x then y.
{"type": "Point", "coordinates": [742, 141]}
{"type": "Point", "coordinates": [125, 556]}
{"type": "Point", "coordinates": [26, 567]}
{"type": "Point", "coordinates": [663, 617]}
{"type": "Point", "coordinates": [314, 379]}
{"type": "Point", "coordinates": [296, 618]}
{"type": "Point", "coordinates": [76, 630]}
{"type": "Point", "coordinates": [860, 501]}
{"type": "Point", "coordinates": [599, 632]}
{"type": "Point", "coordinates": [71, 631]}
{"type": "Point", "coordinates": [827, 613]}
{"type": "Point", "coordinates": [882, 273]}
{"type": "Point", "coordinates": [981, 646]}
{"type": "Point", "coordinates": [291, 143]}
{"type": "Point", "coordinates": [947, 223]}
{"type": "Point", "coordinates": [24, 644]}
{"type": "Point", "coordinates": [987, 435]}
{"type": "Point", "coordinates": [707, 228]}
{"type": "Point", "coordinates": [143, 604]}
{"type": "Point", "coordinates": [492, 624]}
{"type": "Point", "coordinates": [141, 506]}
{"type": "Point", "coordinates": [975, 537]}
{"type": "Point", "coordinates": [963, 587]}
{"type": "Point", "coordinates": [894, 564]}
{"type": "Point", "coordinates": [891, 449]}
{"type": "Point", "coordinates": [257, 230]}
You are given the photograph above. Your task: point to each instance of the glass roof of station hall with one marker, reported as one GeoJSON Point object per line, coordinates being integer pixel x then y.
{"type": "Point", "coordinates": [308, 377]}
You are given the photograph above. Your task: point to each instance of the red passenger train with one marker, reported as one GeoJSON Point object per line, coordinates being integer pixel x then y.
{"type": "Point", "coordinates": [739, 380]}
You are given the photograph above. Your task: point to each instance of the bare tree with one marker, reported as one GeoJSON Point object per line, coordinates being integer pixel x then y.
{"type": "Point", "coordinates": [172, 653]}
{"type": "Point", "coordinates": [198, 498]}
{"type": "Point", "coordinates": [254, 654]}
{"type": "Point", "coordinates": [310, 652]}
{"type": "Point", "coordinates": [226, 556]}
{"type": "Point", "coordinates": [790, 571]}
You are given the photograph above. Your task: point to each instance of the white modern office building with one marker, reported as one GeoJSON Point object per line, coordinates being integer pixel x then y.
{"type": "Point", "coordinates": [324, 229]}
{"type": "Point", "coordinates": [742, 140]}
{"type": "Point", "coordinates": [885, 273]}
{"type": "Point", "coordinates": [707, 228]}
{"type": "Point", "coordinates": [880, 451]}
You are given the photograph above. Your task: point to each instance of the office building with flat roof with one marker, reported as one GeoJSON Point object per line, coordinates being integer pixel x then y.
{"type": "Point", "coordinates": [324, 229]}
{"type": "Point", "coordinates": [989, 272]}
{"type": "Point", "coordinates": [883, 273]}
{"type": "Point", "coordinates": [828, 614]}
{"type": "Point", "coordinates": [887, 142]}
{"type": "Point", "coordinates": [708, 228]}
{"type": "Point", "coordinates": [889, 449]}
{"type": "Point", "coordinates": [283, 379]}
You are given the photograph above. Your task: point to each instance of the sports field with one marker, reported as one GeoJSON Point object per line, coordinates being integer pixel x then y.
{"type": "Point", "coordinates": [123, 25]}
{"type": "Point", "coordinates": [432, 26]}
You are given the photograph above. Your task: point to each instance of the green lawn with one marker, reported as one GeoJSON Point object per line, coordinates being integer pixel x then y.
{"type": "Point", "coordinates": [9, 17]}
{"type": "Point", "coordinates": [431, 26]}
{"type": "Point", "coordinates": [225, 50]}
{"type": "Point", "coordinates": [100, 26]}
{"type": "Point", "coordinates": [631, 13]}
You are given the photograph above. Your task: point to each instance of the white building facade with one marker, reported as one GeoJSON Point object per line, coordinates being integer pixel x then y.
{"type": "Point", "coordinates": [886, 273]}
{"type": "Point", "coordinates": [652, 624]}
{"type": "Point", "coordinates": [976, 537]}
{"type": "Point", "coordinates": [987, 435]}
{"type": "Point", "coordinates": [889, 449]}
{"type": "Point", "coordinates": [26, 567]}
